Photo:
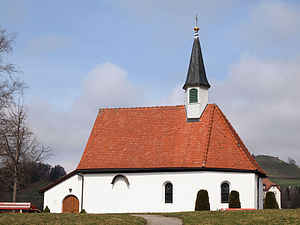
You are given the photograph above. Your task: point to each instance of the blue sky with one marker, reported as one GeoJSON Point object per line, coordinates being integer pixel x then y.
{"type": "Point", "coordinates": [77, 56]}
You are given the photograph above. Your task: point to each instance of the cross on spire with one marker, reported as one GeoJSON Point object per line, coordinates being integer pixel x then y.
{"type": "Point", "coordinates": [196, 28]}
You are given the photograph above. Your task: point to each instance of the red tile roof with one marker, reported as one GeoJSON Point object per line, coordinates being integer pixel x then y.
{"type": "Point", "coordinates": [268, 184]}
{"type": "Point", "coordinates": [160, 137]}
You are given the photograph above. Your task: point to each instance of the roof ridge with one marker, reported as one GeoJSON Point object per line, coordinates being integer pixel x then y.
{"type": "Point", "coordinates": [241, 145]}
{"type": "Point", "coordinates": [142, 107]}
{"type": "Point", "coordinates": [209, 135]}
{"type": "Point", "coordinates": [145, 107]}
{"type": "Point", "coordinates": [268, 183]}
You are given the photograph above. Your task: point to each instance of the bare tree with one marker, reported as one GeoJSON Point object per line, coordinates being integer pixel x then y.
{"type": "Point", "coordinates": [9, 85]}
{"type": "Point", "coordinates": [19, 146]}
{"type": "Point", "coordinates": [292, 161]}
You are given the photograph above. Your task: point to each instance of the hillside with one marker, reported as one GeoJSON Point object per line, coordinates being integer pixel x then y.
{"type": "Point", "coordinates": [279, 171]}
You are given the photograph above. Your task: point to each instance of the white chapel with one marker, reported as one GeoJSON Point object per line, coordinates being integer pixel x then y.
{"type": "Point", "coordinates": [156, 159]}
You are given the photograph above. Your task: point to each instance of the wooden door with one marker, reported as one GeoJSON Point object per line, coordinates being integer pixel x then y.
{"type": "Point", "coordinates": [70, 204]}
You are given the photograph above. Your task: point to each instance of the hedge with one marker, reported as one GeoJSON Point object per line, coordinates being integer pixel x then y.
{"type": "Point", "coordinates": [234, 200]}
{"type": "Point", "coordinates": [202, 201]}
{"type": "Point", "coordinates": [270, 201]}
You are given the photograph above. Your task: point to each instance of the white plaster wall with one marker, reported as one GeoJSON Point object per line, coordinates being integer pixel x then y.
{"type": "Point", "coordinates": [146, 191]}
{"type": "Point", "coordinates": [54, 197]}
{"type": "Point", "coordinates": [194, 110]}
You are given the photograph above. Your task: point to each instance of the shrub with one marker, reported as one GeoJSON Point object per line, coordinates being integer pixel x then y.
{"type": "Point", "coordinates": [46, 210]}
{"type": "Point", "coordinates": [234, 200]}
{"type": "Point", "coordinates": [270, 201]}
{"type": "Point", "coordinates": [83, 211]}
{"type": "Point", "coordinates": [202, 201]}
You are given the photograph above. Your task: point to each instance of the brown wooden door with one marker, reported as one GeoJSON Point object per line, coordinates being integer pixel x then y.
{"type": "Point", "coordinates": [70, 204]}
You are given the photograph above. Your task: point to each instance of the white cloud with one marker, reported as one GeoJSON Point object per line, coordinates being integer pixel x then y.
{"type": "Point", "coordinates": [176, 97]}
{"type": "Point", "coordinates": [106, 85]}
{"type": "Point", "coordinates": [261, 99]}
{"type": "Point", "coordinates": [273, 25]}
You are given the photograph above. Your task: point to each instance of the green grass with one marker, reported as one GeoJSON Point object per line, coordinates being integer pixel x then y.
{"type": "Point", "coordinates": [284, 216]}
{"type": "Point", "coordinates": [69, 218]}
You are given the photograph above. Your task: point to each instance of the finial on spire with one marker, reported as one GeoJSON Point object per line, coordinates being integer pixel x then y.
{"type": "Point", "coordinates": [196, 28]}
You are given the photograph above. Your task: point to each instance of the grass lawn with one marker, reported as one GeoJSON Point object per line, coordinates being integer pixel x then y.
{"type": "Point", "coordinates": [284, 216]}
{"type": "Point", "coordinates": [69, 218]}
{"type": "Point", "coordinates": [255, 217]}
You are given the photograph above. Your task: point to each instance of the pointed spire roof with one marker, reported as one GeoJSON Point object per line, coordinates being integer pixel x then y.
{"type": "Point", "coordinates": [196, 73]}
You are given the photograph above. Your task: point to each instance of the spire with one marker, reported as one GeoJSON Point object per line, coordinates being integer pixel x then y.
{"type": "Point", "coordinates": [196, 74]}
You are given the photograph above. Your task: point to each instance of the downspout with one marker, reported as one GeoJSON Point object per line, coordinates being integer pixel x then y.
{"type": "Point", "coordinates": [82, 183]}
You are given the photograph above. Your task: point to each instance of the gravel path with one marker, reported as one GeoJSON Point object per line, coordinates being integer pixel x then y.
{"type": "Point", "coordinates": [161, 220]}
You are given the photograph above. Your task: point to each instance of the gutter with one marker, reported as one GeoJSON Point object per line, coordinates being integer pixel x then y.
{"type": "Point", "coordinates": [82, 185]}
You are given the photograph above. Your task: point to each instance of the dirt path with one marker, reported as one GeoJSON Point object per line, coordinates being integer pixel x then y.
{"type": "Point", "coordinates": [161, 220]}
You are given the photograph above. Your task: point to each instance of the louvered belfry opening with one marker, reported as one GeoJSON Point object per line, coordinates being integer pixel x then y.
{"type": "Point", "coordinates": [193, 95]}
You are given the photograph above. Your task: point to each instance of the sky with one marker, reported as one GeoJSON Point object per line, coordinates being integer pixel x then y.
{"type": "Point", "coordinates": [78, 56]}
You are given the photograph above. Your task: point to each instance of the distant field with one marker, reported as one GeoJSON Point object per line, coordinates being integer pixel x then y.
{"type": "Point", "coordinates": [286, 182]}
{"type": "Point", "coordinates": [285, 216]}
{"type": "Point", "coordinates": [255, 217]}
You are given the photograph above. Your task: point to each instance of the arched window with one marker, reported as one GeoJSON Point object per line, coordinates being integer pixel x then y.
{"type": "Point", "coordinates": [193, 95]}
{"type": "Point", "coordinates": [168, 193]}
{"type": "Point", "coordinates": [120, 177]}
{"type": "Point", "coordinates": [224, 192]}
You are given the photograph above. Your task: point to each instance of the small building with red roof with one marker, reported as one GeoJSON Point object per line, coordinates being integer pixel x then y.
{"type": "Point", "coordinates": [156, 159]}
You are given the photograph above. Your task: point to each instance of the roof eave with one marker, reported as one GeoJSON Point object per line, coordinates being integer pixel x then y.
{"type": "Point", "coordinates": [166, 169]}
{"type": "Point", "coordinates": [74, 172]}
{"type": "Point", "coordinates": [187, 85]}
